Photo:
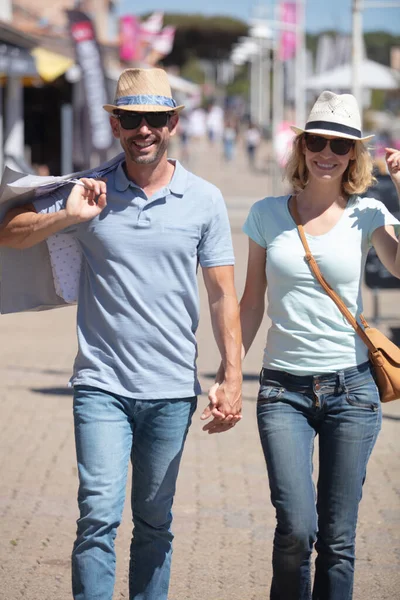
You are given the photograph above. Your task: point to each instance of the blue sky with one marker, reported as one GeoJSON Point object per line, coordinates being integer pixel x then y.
{"type": "Point", "coordinates": [320, 14]}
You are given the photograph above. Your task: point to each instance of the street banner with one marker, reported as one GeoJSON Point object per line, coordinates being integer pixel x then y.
{"type": "Point", "coordinates": [287, 47]}
{"type": "Point", "coordinates": [90, 61]}
{"type": "Point", "coordinates": [161, 46]}
{"type": "Point", "coordinates": [129, 28]}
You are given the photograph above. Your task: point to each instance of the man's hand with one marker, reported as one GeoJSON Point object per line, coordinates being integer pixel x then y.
{"type": "Point", "coordinates": [225, 406]}
{"type": "Point", "coordinates": [86, 200]}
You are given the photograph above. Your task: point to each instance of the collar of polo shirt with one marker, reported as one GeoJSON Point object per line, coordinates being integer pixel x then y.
{"type": "Point", "coordinates": [177, 185]}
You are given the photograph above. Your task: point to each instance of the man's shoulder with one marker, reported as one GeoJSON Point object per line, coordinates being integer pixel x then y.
{"type": "Point", "coordinates": [199, 184]}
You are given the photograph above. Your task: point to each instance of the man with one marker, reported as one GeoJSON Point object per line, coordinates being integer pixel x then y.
{"type": "Point", "coordinates": [142, 235]}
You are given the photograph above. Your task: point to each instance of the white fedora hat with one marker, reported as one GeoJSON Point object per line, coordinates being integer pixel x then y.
{"type": "Point", "coordinates": [143, 90]}
{"type": "Point", "coordinates": [334, 114]}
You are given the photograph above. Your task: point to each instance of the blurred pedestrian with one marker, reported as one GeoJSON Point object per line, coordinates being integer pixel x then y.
{"type": "Point", "coordinates": [252, 140]}
{"type": "Point", "coordinates": [229, 138]}
{"type": "Point", "coordinates": [316, 377]}
{"type": "Point", "coordinates": [142, 235]}
{"type": "Point", "coordinates": [215, 123]}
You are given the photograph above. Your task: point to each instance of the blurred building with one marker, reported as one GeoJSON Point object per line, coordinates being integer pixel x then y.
{"type": "Point", "coordinates": [45, 120]}
{"type": "Point", "coordinates": [51, 13]}
{"type": "Point", "coordinates": [42, 103]}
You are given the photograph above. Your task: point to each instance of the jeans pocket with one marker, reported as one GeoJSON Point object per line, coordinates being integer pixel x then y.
{"type": "Point", "coordinates": [365, 395]}
{"type": "Point", "coordinates": [268, 393]}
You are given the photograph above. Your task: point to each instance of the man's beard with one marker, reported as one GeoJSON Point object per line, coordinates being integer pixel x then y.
{"type": "Point", "coordinates": [154, 157]}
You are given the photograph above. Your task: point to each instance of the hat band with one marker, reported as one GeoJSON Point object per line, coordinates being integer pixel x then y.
{"type": "Point", "coordinates": [335, 127]}
{"type": "Point", "coordinates": [146, 99]}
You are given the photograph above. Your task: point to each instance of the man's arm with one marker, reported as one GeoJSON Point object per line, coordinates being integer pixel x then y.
{"type": "Point", "coordinates": [226, 401]}
{"type": "Point", "coordinates": [23, 227]}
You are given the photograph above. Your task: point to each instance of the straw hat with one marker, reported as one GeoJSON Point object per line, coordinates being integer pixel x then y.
{"type": "Point", "coordinates": [335, 114]}
{"type": "Point", "coordinates": [143, 90]}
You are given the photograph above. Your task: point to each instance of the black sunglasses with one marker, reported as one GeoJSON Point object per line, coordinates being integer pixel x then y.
{"type": "Point", "coordinates": [132, 120]}
{"type": "Point", "coordinates": [339, 146]}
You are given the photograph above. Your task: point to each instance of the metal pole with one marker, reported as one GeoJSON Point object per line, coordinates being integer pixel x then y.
{"type": "Point", "coordinates": [357, 49]}
{"type": "Point", "coordinates": [300, 76]}
{"type": "Point", "coordinates": [267, 84]}
{"type": "Point", "coordinates": [67, 127]}
{"type": "Point", "coordinates": [1, 131]}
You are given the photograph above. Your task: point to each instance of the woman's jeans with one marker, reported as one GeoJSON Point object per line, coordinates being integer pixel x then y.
{"type": "Point", "coordinates": [109, 430]}
{"type": "Point", "coordinates": [343, 408]}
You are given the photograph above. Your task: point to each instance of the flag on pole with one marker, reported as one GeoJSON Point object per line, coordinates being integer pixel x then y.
{"type": "Point", "coordinates": [288, 38]}
{"type": "Point", "coordinates": [151, 27]}
{"type": "Point", "coordinates": [164, 41]}
{"type": "Point", "coordinates": [161, 46]}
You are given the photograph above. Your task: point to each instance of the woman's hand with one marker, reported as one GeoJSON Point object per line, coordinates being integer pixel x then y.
{"type": "Point", "coordinates": [393, 164]}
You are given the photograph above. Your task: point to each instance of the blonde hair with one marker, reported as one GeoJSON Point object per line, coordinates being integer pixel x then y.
{"type": "Point", "coordinates": [356, 179]}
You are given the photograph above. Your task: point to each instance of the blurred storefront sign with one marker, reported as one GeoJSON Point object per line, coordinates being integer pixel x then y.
{"type": "Point", "coordinates": [94, 79]}
{"type": "Point", "coordinates": [16, 61]}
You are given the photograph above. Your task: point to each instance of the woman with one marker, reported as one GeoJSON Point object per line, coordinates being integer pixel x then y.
{"type": "Point", "coordinates": [316, 378]}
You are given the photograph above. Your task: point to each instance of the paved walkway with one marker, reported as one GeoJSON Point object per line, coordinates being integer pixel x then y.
{"type": "Point", "coordinates": [223, 519]}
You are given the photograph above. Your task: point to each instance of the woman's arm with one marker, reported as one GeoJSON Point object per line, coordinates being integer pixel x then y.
{"type": "Point", "coordinates": [383, 238]}
{"type": "Point", "coordinates": [252, 304]}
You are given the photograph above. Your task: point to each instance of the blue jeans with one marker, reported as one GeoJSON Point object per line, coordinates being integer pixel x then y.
{"type": "Point", "coordinates": [109, 430]}
{"type": "Point", "coordinates": [343, 408]}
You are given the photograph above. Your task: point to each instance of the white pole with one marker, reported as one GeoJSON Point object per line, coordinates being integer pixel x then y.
{"type": "Point", "coordinates": [260, 83]}
{"type": "Point", "coordinates": [14, 119]}
{"type": "Point", "coordinates": [253, 95]}
{"type": "Point", "coordinates": [300, 76]}
{"type": "Point", "coordinates": [277, 90]}
{"type": "Point", "coordinates": [357, 49]}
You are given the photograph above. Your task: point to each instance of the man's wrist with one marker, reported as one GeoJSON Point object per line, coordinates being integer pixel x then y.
{"type": "Point", "coordinates": [68, 219]}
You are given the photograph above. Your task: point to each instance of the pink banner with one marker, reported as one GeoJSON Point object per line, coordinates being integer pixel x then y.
{"type": "Point", "coordinates": [287, 48]}
{"type": "Point", "coordinates": [129, 27]}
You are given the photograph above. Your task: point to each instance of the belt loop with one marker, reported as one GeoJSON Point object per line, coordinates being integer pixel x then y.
{"type": "Point", "coordinates": [341, 381]}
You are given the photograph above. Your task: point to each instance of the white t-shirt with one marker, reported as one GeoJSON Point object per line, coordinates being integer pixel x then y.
{"type": "Point", "coordinates": [308, 334]}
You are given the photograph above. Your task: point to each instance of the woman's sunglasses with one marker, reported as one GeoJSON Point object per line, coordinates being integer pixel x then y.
{"type": "Point", "coordinates": [339, 146]}
{"type": "Point", "coordinates": [132, 120]}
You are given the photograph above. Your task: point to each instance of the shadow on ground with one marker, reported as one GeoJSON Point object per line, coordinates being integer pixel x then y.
{"type": "Point", "coordinates": [53, 391]}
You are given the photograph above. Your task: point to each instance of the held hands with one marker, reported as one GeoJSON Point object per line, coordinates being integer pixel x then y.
{"type": "Point", "coordinates": [225, 405]}
{"type": "Point", "coordinates": [86, 200]}
{"type": "Point", "coordinates": [393, 163]}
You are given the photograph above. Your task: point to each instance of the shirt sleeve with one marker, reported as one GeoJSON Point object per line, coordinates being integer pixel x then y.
{"type": "Point", "coordinates": [54, 202]}
{"type": "Point", "coordinates": [215, 248]}
{"type": "Point", "coordinates": [382, 217]}
{"type": "Point", "coordinates": [253, 227]}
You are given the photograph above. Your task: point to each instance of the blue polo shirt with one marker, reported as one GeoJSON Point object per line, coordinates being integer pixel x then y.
{"type": "Point", "coordinates": [138, 305]}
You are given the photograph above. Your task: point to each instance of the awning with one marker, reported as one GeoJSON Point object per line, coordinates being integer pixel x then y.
{"type": "Point", "coordinates": [51, 65]}
{"type": "Point", "coordinates": [15, 60]}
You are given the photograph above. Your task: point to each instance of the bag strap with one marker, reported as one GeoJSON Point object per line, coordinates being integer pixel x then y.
{"type": "Point", "coordinates": [328, 289]}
